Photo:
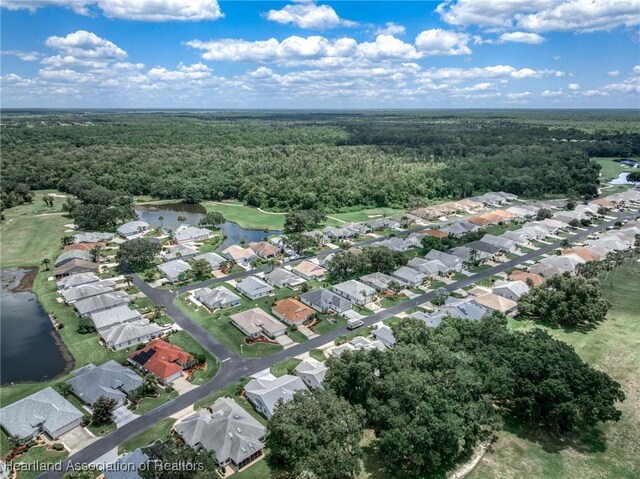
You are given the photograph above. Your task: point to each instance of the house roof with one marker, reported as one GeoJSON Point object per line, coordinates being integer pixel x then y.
{"type": "Point", "coordinates": [226, 429]}
{"type": "Point", "coordinates": [212, 296]}
{"type": "Point", "coordinates": [499, 241]}
{"type": "Point", "coordinates": [130, 331]}
{"type": "Point", "coordinates": [378, 280]}
{"type": "Point", "coordinates": [237, 253]}
{"type": "Point", "coordinates": [256, 320]}
{"type": "Point", "coordinates": [47, 406]}
{"type": "Point", "coordinates": [76, 263]}
{"type": "Point", "coordinates": [280, 276]}
{"type": "Point", "coordinates": [293, 310]}
{"type": "Point", "coordinates": [429, 267]}
{"type": "Point", "coordinates": [161, 358]}
{"type": "Point", "coordinates": [111, 380]}
{"type": "Point", "coordinates": [466, 308]}
{"type": "Point", "coordinates": [101, 301]}
{"type": "Point", "coordinates": [95, 237]}
{"type": "Point", "coordinates": [126, 467]}
{"type": "Point", "coordinates": [518, 288]}
{"type": "Point", "coordinates": [73, 254]}
{"type": "Point", "coordinates": [447, 259]}
{"type": "Point", "coordinates": [180, 250]}
{"type": "Point", "coordinates": [310, 269]}
{"type": "Point", "coordinates": [408, 274]}
{"type": "Point", "coordinates": [214, 259]}
{"type": "Point", "coordinates": [254, 286]}
{"type": "Point", "coordinates": [354, 289]}
{"type": "Point", "coordinates": [324, 298]}
{"type": "Point", "coordinates": [117, 315]}
{"type": "Point", "coordinates": [312, 369]}
{"type": "Point", "coordinates": [482, 246]}
{"type": "Point", "coordinates": [385, 334]}
{"type": "Point", "coordinates": [190, 233]}
{"type": "Point", "coordinates": [132, 227]}
{"type": "Point", "coordinates": [434, 233]}
{"type": "Point", "coordinates": [273, 390]}
{"type": "Point", "coordinates": [263, 249]}
{"type": "Point", "coordinates": [82, 246]}
{"type": "Point", "coordinates": [172, 269]}
{"type": "Point", "coordinates": [87, 290]}
{"type": "Point", "coordinates": [496, 303]}
{"type": "Point", "coordinates": [77, 280]}
{"type": "Point", "coordinates": [523, 276]}
{"type": "Point", "coordinates": [431, 320]}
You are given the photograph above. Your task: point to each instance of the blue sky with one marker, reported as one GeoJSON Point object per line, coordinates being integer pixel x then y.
{"type": "Point", "coordinates": [305, 54]}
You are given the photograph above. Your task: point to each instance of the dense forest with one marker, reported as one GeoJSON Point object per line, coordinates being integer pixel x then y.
{"type": "Point", "coordinates": [306, 160]}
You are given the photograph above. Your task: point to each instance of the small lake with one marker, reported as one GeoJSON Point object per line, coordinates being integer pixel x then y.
{"type": "Point", "coordinates": [234, 234]}
{"type": "Point", "coordinates": [622, 180]}
{"type": "Point", "coordinates": [29, 347]}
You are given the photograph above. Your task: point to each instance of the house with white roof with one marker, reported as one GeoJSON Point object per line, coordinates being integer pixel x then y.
{"type": "Point", "coordinates": [253, 287]}
{"type": "Point", "coordinates": [130, 333]}
{"type": "Point", "coordinates": [217, 298]}
{"type": "Point", "coordinates": [190, 234]}
{"type": "Point", "coordinates": [355, 291]}
{"type": "Point", "coordinates": [265, 393]}
{"type": "Point", "coordinates": [172, 269]}
{"type": "Point", "coordinates": [312, 373]}
{"type": "Point", "coordinates": [510, 289]}
{"type": "Point", "coordinates": [133, 229]}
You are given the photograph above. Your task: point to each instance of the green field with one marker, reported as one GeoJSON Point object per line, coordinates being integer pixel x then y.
{"type": "Point", "coordinates": [247, 216]}
{"type": "Point", "coordinates": [611, 168]}
{"type": "Point", "coordinates": [284, 367]}
{"type": "Point", "coordinates": [612, 451]}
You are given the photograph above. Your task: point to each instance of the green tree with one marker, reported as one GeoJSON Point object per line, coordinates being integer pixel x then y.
{"type": "Point", "coordinates": [137, 254]}
{"type": "Point", "coordinates": [201, 269]}
{"type": "Point", "coordinates": [299, 242]}
{"type": "Point", "coordinates": [85, 326]}
{"type": "Point", "coordinates": [161, 220]}
{"type": "Point", "coordinates": [103, 408]}
{"type": "Point", "coordinates": [47, 263]}
{"type": "Point", "coordinates": [67, 240]}
{"type": "Point", "coordinates": [96, 253]}
{"type": "Point", "coordinates": [315, 432]}
{"type": "Point", "coordinates": [65, 389]}
{"type": "Point", "coordinates": [201, 463]}
{"type": "Point", "coordinates": [543, 214]}
{"type": "Point", "coordinates": [212, 219]}
{"type": "Point", "coordinates": [80, 474]}
{"type": "Point", "coordinates": [181, 218]}
{"type": "Point", "coordinates": [303, 220]}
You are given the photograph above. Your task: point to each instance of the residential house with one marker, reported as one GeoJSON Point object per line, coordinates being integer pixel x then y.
{"type": "Point", "coordinates": [130, 333]}
{"type": "Point", "coordinates": [309, 271]}
{"type": "Point", "coordinates": [45, 411]}
{"type": "Point", "coordinates": [107, 318]}
{"type": "Point", "coordinates": [75, 266]}
{"type": "Point", "coordinates": [459, 228]}
{"type": "Point", "coordinates": [510, 289]}
{"type": "Point", "coordinates": [379, 281]}
{"type": "Point", "coordinates": [494, 302]}
{"type": "Point", "coordinates": [133, 229]}
{"type": "Point", "coordinates": [355, 291]}
{"type": "Point", "coordinates": [356, 344]}
{"type": "Point", "coordinates": [93, 237]}
{"type": "Point", "coordinates": [265, 250]}
{"type": "Point", "coordinates": [383, 223]}
{"type": "Point", "coordinates": [434, 233]}
{"type": "Point", "coordinates": [467, 254]}
{"type": "Point", "coordinates": [534, 279]}
{"type": "Point", "coordinates": [164, 360]}
{"type": "Point", "coordinates": [324, 301]}
{"type": "Point", "coordinates": [292, 312]}
{"type": "Point", "coordinates": [240, 255]}
{"type": "Point", "coordinates": [84, 291]}
{"type": "Point", "coordinates": [535, 231]}
{"type": "Point", "coordinates": [71, 255]}
{"type": "Point", "coordinates": [430, 268]}
{"type": "Point", "coordinates": [190, 234]}
{"type": "Point", "coordinates": [523, 211]}
{"type": "Point", "coordinates": [467, 308]}
{"type": "Point", "coordinates": [450, 261]}
{"type": "Point", "coordinates": [519, 237]}
{"type": "Point", "coordinates": [180, 251]}
{"type": "Point", "coordinates": [77, 280]}
{"type": "Point", "coordinates": [553, 225]}
{"type": "Point", "coordinates": [127, 466]}
{"type": "Point", "coordinates": [173, 269]}
{"type": "Point", "coordinates": [385, 335]}
{"type": "Point", "coordinates": [101, 302]}
{"type": "Point", "coordinates": [253, 287]}
{"type": "Point", "coordinates": [409, 276]}
{"type": "Point", "coordinates": [110, 380]}
{"type": "Point", "coordinates": [587, 253]}
{"type": "Point", "coordinates": [215, 260]}
{"type": "Point", "coordinates": [489, 249]}
{"type": "Point", "coordinates": [217, 298]}
{"type": "Point", "coordinates": [432, 320]}
{"type": "Point", "coordinates": [338, 233]}
{"type": "Point", "coordinates": [609, 243]}
{"type": "Point", "coordinates": [281, 278]}
{"type": "Point", "coordinates": [312, 373]}
{"type": "Point", "coordinates": [395, 243]}
{"type": "Point", "coordinates": [235, 438]}
{"type": "Point", "coordinates": [265, 394]}
{"type": "Point", "coordinates": [567, 263]}
{"type": "Point", "coordinates": [255, 322]}
{"type": "Point", "coordinates": [82, 246]}
{"type": "Point", "coordinates": [504, 244]}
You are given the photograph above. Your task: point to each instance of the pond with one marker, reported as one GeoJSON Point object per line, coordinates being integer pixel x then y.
{"type": "Point", "coordinates": [29, 345]}
{"type": "Point", "coordinates": [622, 180]}
{"type": "Point", "coordinates": [233, 233]}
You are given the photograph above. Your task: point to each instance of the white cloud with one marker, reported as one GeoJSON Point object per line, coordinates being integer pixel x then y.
{"type": "Point", "coordinates": [613, 73]}
{"type": "Point", "coordinates": [308, 15]}
{"type": "Point", "coordinates": [542, 15]}
{"type": "Point", "coordinates": [196, 71]}
{"type": "Point", "coordinates": [519, 95]}
{"type": "Point", "coordinates": [636, 69]}
{"type": "Point", "coordinates": [146, 10]}
{"type": "Point", "coordinates": [24, 56]}
{"type": "Point", "coordinates": [83, 44]}
{"type": "Point", "coordinates": [442, 42]}
{"type": "Point", "coordinates": [391, 28]}
{"type": "Point", "coordinates": [522, 37]}
{"type": "Point", "coordinates": [574, 86]}
{"type": "Point", "coordinates": [552, 93]}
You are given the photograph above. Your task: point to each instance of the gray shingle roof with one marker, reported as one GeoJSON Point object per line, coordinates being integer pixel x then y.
{"type": "Point", "coordinates": [172, 269]}
{"type": "Point", "coordinates": [109, 317]}
{"type": "Point", "coordinates": [132, 228]}
{"type": "Point", "coordinates": [448, 259]}
{"type": "Point", "coordinates": [102, 301]}
{"type": "Point", "coordinates": [127, 466]}
{"type": "Point", "coordinates": [254, 286]}
{"type": "Point", "coordinates": [93, 237]}
{"type": "Point", "coordinates": [111, 380]}
{"type": "Point", "coordinates": [88, 290]}
{"type": "Point", "coordinates": [312, 372]}
{"type": "Point", "coordinates": [354, 289]}
{"type": "Point", "coordinates": [322, 299]}
{"type": "Point", "coordinates": [215, 298]}
{"type": "Point", "coordinates": [270, 391]}
{"type": "Point", "coordinates": [73, 254]}
{"type": "Point", "coordinates": [77, 280]}
{"type": "Point", "coordinates": [226, 429]}
{"type": "Point", "coordinates": [214, 260]}
{"type": "Point", "coordinates": [130, 331]}
{"type": "Point", "coordinates": [281, 277]}
{"type": "Point", "coordinates": [191, 233]}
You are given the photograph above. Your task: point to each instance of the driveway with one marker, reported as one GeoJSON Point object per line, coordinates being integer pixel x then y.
{"type": "Point", "coordinates": [123, 415]}
{"type": "Point", "coordinates": [285, 341]}
{"type": "Point", "coordinates": [181, 385]}
{"type": "Point", "coordinates": [77, 438]}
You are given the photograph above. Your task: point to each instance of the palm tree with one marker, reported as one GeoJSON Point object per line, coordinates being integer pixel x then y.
{"type": "Point", "coordinates": [181, 219]}
{"type": "Point", "coordinates": [46, 262]}
{"type": "Point", "coordinates": [160, 219]}
{"type": "Point", "coordinates": [96, 253]}
{"type": "Point", "coordinates": [127, 279]}
{"type": "Point", "coordinates": [66, 240]}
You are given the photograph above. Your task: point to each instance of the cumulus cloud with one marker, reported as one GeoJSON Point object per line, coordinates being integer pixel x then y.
{"type": "Point", "coordinates": [145, 10]}
{"type": "Point", "coordinates": [308, 15]}
{"type": "Point", "coordinates": [442, 42]}
{"type": "Point", "coordinates": [574, 86]}
{"type": "Point", "coordinates": [522, 37]}
{"type": "Point", "coordinates": [552, 93]}
{"type": "Point", "coordinates": [24, 56]}
{"type": "Point", "coordinates": [519, 95]}
{"type": "Point", "coordinates": [613, 73]}
{"type": "Point", "coordinates": [542, 15]}
{"type": "Point", "coordinates": [83, 44]}
{"type": "Point", "coordinates": [391, 28]}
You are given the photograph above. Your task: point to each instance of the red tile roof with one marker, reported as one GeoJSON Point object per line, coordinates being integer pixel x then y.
{"type": "Point", "coordinates": [160, 358]}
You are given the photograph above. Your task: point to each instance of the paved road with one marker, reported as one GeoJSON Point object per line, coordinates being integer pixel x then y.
{"type": "Point", "coordinates": [235, 367]}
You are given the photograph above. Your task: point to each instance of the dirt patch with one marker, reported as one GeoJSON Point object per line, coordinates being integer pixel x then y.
{"type": "Point", "coordinates": [26, 282]}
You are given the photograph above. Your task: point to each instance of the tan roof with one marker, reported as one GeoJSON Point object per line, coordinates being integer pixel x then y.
{"type": "Point", "coordinates": [504, 214]}
{"type": "Point", "coordinates": [310, 269]}
{"type": "Point", "coordinates": [536, 279]}
{"type": "Point", "coordinates": [256, 320]}
{"type": "Point", "coordinates": [82, 246]}
{"type": "Point", "coordinates": [434, 233]}
{"type": "Point", "coordinates": [478, 220]}
{"type": "Point", "coordinates": [603, 202]}
{"type": "Point", "coordinates": [496, 303]}
{"type": "Point", "coordinates": [293, 310]}
{"type": "Point", "coordinates": [238, 252]}
{"type": "Point", "coordinates": [264, 249]}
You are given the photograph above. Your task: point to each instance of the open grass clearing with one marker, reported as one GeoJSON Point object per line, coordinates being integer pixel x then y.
{"type": "Point", "coordinates": [285, 367]}
{"type": "Point", "coordinates": [613, 347]}
{"type": "Point", "coordinates": [611, 168]}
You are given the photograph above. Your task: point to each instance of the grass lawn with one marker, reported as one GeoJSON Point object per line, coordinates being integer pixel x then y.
{"type": "Point", "coordinates": [259, 470]}
{"type": "Point", "coordinates": [186, 342]}
{"type": "Point", "coordinates": [354, 334]}
{"type": "Point", "coordinates": [297, 336]}
{"type": "Point", "coordinates": [102, 429]}
{"type": "Point", "coordinates": [388, 302]}
{"type": "Point", "coordinates": [39, 455]}
{"type": "Point", "coordinates": [365, 215]}
{"type": "Point", "coordinates": [392, 320]}
{"type": "Point", "coordinates": [611, 168]}
{"type": "Point", "coordinates": [22, 233]}
{"type": "Point", "coordinates": [317, 354]}
{"type": "Point", "coordinates": [612, 347]}
{"type": "Point", "coordinates": [219, 325]}
{"type": "Point", "coordinates": [210, 245]}
{"type": "Point", "coordinates": [284, 367]}
{"type": "Point", "coordinates": [435, 284]}
{"type": "Point", "coordinates": [157, 431]}
{"type": "Point", "coordinates": [479, 269]}
{"type": "Point", "coordinates": [247, 216]}
{"type": "Point", "coordinates": [149, 403]}
{"type": "Point", "coordinates": [328, 323]}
